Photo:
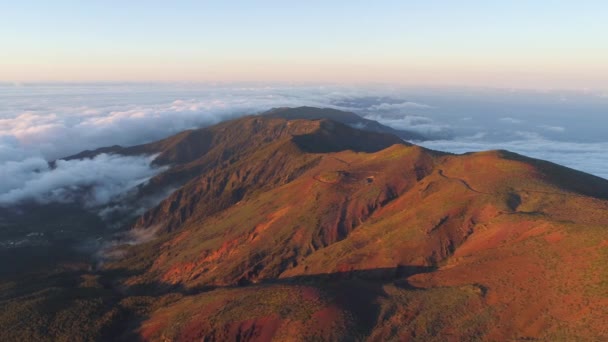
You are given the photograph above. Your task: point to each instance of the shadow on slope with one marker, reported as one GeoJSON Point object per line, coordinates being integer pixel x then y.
{"type": "Point", "coordinates": [334, 137]}
{"type": "Point", "coordinates": [564, 177]}
{"type": "Point", "coordinates": [355, 292]}
{"type": "Point", "coordinates": [348, 118]}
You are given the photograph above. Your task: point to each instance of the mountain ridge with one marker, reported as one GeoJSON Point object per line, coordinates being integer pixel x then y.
{"type": "Point", "coordinates": [287, 113]}
{"type": "Point", "coordinates": [312, 229]}
{"type": "Point", "coordinates": [359, 218]}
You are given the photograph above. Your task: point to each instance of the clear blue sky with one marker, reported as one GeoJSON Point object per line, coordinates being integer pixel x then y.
{"type": "Point", "coordinates": [538, 43]}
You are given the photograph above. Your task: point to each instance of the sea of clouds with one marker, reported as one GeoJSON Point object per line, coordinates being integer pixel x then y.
{"type": "Point", "coordinates": [93, 182]}
{"type": "Point", "coordinates": [44, 122]}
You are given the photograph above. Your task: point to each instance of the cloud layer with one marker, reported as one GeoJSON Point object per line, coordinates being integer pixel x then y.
{"type": "Point", "coordinates": [39, 123]}
{"type": "Point", "coordinates": [91, 182]}
{"type": "Point", "coordinates": [589, 157]}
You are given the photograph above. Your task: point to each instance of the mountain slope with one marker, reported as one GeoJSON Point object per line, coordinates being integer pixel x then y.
{"type": "Point", "coordinates": [251, 154]}
{"type": "Point", "coordinates": [406, 226]}
{"type": "Point", "coordinates": [191, 144]}
{"type": "Point", "coordinates": [295, 229]}
{"type": "Point", "coordinates": [348, 118]}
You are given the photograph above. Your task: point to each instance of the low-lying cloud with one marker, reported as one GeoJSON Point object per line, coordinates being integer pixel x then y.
{"type": "Point", "coordinates": [398, 106]}
{"type": "Point", "coordinates": [420, 124]}
{"type": "Point", "coordinates": [511, 120]}
{"type": "Point", "coordinates": [53, 135]}
{"type": "Point", "coordinates": [57, 121]}
{"type": "Point", "coordinates": [91, 182]}
{"type": "Point", "coordinates": [588, 157]}
{"type": "Point", "coordinates": [114, 249]}
{"type": "Point", "coordinates": [44, 122]}
{"type": "Point", "coordinates": [557, 129]}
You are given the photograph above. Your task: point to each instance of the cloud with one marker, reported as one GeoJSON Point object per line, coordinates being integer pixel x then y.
{"type": "Point", "coordinates": [556, 129]}
{"type": "Point", "coordinates": [589, 157]}
{"type": "Point", "coordinates": [421, 124]}
{"type": "Point", "coordinates": [59, 121]}
{"type": "Point", "coordinates": [390, 109]}
{"type": "Point", "coordinates": [114, 249]}
{"type": "Point", "coordinates": [53, 136]}
{"type": "Point", "coordinates": [397, 106]}
{"type": "Point", "coordinates": [511, 120]}
{"type": "Point", "coordinates": [92, 182]}
{"type": "Point", "coordinates": [42, 123]}
{"type": "Point", "coordinates": [477, 136]}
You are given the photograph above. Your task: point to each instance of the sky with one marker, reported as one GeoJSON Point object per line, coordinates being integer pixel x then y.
{"type": "Point", "coordinates": [527, 76]}
{"type": "Point", "coordinates": [541, 44]}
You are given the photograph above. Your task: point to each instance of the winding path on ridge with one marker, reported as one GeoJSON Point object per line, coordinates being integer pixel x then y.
{"type": "Point", "coordinates": [463, 182]}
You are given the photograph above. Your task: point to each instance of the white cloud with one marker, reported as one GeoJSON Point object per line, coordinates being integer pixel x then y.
{"type": "Point", "coordinates": [416, 123]}
{"type": "Point", "coordinates": [42, 123]}
{"type": "Point", "coordinates": [397, 106]}
{"type": "Point", "coordinates": [53, 136]}
{"type": "Point", "coordinates": [511, 120]}
{"type": "Point", "coordinates": [556, 129]}
{"type": "Point", "coordinates": [477, 136]}
{"type": "Point", "coordinates": [39, 123]}
{"type": "Point", "coordinates": [588, 157]}
{"type": "Point", "coordinates": [529, 135]}
{"type": "Point", "coordinates": [92, 182]}
{"type": "Point", "coordinates": [54, 127]}
{"type": "Point", "coordinates": [56, 121]}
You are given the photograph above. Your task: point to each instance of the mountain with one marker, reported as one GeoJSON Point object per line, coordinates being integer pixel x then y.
{"type": "Point", "coordinates": [192, 143]}
{"type": "Point", "coordinates": [199, 153]}
{"type": "Point", "coordinates": [297, 229]}
{"type": "Point", "coordinates": [273, 151]}
{"type": "Point", "coordinates": [348, 118]}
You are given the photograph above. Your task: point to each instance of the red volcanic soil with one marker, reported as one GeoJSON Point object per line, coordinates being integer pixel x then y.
{"type": "Point", "coordinates": [257, 329]}
{"type": "Point", "coordinates": [314, 230]}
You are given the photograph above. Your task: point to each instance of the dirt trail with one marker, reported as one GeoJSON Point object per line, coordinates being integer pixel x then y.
{"type": "Point", "coordinates": [463, 182]}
